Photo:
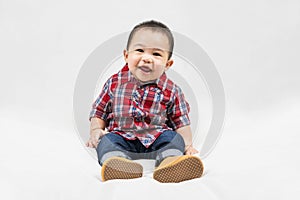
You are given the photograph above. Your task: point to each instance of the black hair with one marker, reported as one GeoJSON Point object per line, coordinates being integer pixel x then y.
{"type": "Point", "coordinates": [156, 26]}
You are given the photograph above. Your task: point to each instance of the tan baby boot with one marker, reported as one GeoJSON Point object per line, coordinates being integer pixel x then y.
{"type": "Point", "coordinates": [120, 168]}
{"type": "Point", "coordinates": [178, 168]}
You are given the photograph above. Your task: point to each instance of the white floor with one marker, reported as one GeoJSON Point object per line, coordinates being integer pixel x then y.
{"type": "Point", "coordinates": [256, 158]}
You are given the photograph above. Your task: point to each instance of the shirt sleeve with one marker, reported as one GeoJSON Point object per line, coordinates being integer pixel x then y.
{"type": "Point", "coordinates": [178, 111]}
{"type": "Point", "coordinates": [102, 105]}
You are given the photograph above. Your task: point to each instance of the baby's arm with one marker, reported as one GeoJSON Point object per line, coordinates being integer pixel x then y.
{"type": "Point", "coordinates": [96, 132]}
{"type": "Point", "coordinates": [186, 133]}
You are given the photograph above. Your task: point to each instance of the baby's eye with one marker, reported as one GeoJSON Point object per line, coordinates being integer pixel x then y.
{"type": "Point", "coordinates": [156, 54]}
{"type": "Point", "coordinates": [139, 50]}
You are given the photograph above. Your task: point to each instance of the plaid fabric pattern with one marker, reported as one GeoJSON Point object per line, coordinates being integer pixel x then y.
{"type": "Point", "coordinates": [134, 110]}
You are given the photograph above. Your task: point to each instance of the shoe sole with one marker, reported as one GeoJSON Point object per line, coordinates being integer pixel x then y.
{"type": "Point", "coordinates": [183, 169]}
{"type": "Point", "coordinates": [120, 168]}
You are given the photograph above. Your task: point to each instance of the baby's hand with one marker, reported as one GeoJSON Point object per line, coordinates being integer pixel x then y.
{"type": "Point", "coordinates": [94, 138]}
{"type": "Point", "coordinates": [190, 150]}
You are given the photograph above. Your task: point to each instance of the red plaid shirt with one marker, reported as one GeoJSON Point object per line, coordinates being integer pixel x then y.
{"type": "Point", "coordinates": [134, 110]}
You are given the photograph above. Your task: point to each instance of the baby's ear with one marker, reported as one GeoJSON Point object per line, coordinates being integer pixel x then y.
{"type": "Point", "coordinates": [169, 64]}
{"type": "Point", "coordinates": [125, 54]}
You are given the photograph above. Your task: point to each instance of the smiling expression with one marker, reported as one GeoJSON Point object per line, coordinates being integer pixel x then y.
{"type": "Point", "coordinates": [147, 55]}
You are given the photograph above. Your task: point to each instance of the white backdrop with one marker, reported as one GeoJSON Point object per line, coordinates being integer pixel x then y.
{"type": "Point", "coordinates": [254, 45]}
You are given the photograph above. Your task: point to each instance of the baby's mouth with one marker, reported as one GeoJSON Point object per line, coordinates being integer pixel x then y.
{"type": "Point", "coordinates": [145, 69]}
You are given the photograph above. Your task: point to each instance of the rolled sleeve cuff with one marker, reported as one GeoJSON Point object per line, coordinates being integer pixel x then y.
{"type": "Point", "coordinates": [98, 114]}
{"type": "Point", "coordinates": [181, 121]}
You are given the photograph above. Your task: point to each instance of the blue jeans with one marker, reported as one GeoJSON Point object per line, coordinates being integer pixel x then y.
{"type": "Point", "coordinates": [169, 143]}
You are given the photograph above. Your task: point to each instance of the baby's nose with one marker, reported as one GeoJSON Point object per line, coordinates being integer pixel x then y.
{"type": "Point", "coordinates": [147, 59]}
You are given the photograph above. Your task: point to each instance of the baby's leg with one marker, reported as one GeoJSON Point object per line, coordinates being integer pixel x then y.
{"type": "Point", "coordinates": [113, 156]}
{"type": "Point", "coordinates": [112, 145]}
{"type": "Point", "coordinates": [173, 166]}
{"type": "Point", "coordinates": [169, 143]}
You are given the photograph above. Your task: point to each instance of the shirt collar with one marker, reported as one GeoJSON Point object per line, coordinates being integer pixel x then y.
{"type": "Point", "coordinates": [126, 76]}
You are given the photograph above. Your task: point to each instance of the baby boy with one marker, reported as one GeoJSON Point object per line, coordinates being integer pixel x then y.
{"type": "Point", "coordinates": [142, 114]}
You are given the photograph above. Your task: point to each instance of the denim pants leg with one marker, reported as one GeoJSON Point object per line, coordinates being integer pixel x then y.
{"type": "Point", "coordinates": [112, 145]}
{"type": "Point", "coordinates": [169, 143]}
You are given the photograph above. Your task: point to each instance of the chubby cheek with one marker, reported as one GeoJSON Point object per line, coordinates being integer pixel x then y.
{"type": "Point", "coordinates": [133, 60]}
{"type": "Point", "coordinates": [160, 72]}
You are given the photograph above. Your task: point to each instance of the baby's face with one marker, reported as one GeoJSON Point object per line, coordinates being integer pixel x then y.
{"type": "Point", "coordinates": [147, 56]}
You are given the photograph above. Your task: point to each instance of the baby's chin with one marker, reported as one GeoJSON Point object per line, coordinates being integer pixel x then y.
{"type": "Point", "coordinates": [145, 80]}
{"type": "Point", "coordinates": [141, 80]}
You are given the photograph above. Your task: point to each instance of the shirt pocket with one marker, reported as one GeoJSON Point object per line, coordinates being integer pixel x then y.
{"type": "Point", "coordinates": [158, 110]}
{"type": "Point", "coordinates": [159, 102]}
{"type": "Point", "coordinates": [122, 113]}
